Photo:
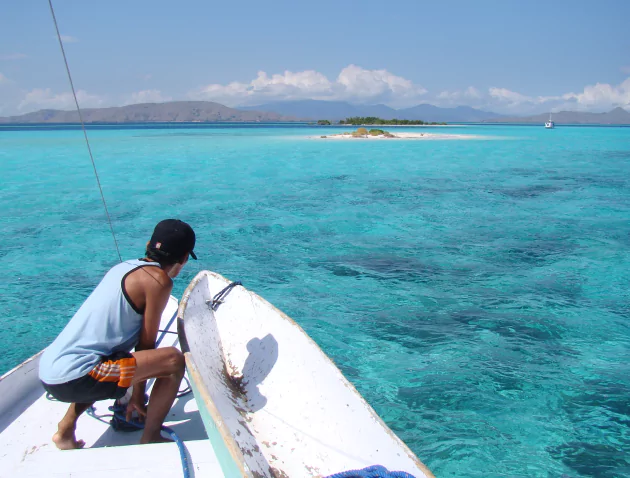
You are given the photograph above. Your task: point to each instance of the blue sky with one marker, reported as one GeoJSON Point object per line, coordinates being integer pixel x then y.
{"type": "Point", "coordinates": [509, 57]}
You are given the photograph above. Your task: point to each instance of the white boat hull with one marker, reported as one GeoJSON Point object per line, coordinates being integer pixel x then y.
{"type": "Point", "coordinates": [28, 420]}
{"type": "Point", "coordinates": [273, 403]}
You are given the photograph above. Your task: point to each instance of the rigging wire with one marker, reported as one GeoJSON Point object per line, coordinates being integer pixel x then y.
{"type": "Point", "coordinates": [87, 142]}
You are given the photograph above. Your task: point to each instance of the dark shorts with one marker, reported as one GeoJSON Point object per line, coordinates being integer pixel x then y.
{"type": "Point", "coordinates": [109, 379]}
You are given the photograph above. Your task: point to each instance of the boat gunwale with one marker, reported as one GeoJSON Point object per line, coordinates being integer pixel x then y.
{"type": "Point", "coordinates": [219, 422]}
{"type": "Point", "coordinates": [26, 362]}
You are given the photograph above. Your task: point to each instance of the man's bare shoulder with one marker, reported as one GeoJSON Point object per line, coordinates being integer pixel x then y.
{"type": "Point", "coordinates": [153, 278]}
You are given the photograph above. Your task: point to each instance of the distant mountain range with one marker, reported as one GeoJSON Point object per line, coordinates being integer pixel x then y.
{"type": "Point", "coordinates": [616, 116]}
{"type": "Point", "coordinates": [174, 111]}
{"type": "Point", "coordinates": [206, 111]}
{"type": "Point", "coordinates": [337, 110]}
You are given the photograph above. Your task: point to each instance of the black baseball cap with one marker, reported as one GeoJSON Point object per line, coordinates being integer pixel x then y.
{"type": "Point", "coordinates": [172, 237]}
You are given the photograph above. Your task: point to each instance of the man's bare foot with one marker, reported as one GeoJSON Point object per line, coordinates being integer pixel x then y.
{"type": "Point", "coordinates": [67, 441]}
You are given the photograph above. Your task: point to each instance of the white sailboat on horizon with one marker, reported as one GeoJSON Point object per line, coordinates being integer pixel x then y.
{"type": "Point", "coordinates": [549, 124]}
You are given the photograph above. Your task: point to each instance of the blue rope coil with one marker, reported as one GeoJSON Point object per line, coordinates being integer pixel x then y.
{"type": "Point", "coordinates": [376, 471]}
{"type": "Point", "coordinates": [119, 422]}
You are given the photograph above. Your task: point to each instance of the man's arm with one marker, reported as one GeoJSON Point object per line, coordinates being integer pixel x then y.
{"type": "Point", "coordinates": [157, 295]}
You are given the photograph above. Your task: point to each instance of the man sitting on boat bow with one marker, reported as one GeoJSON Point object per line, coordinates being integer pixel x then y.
{"type": "Point", "coordinates": [90, 360]}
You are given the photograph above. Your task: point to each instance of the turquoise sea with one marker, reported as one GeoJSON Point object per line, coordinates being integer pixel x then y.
{"type": "Point", "coordinates": [475, 291]}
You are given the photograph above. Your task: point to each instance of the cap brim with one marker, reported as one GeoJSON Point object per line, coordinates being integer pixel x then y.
{"type": "Point", "coordinates": [193, 255]}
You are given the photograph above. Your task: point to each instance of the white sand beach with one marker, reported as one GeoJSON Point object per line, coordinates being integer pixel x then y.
{"type": "Point", "coordinates": [394, 136]}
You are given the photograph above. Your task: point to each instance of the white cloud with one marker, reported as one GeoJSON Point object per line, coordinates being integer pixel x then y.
{"type": "Point", "coordinates": [12, 56]}
{"type": "Point", "coordinates": [359, 85]}
{"type": "Point", "coordinates": [68, 39]}
{"type": "Point", "coordinates": [353, 84]}
{"type": "Point", "coordinates": [43, 98]}
{"type": "Point", "coordinates": [147, 96]}
{"type": "Point", "coordinates": [598, 97]}
{"type": "Point", "coordinates": [380, 85]}
{"type": "Point", "coordinates": [500, 100]}
{"type": "Point", "coordinates": [288, 86]}
{"type": "Point", "coordinates": [301, 81]}
{"type": "Point", "coordinates": [470, 94]}
{"type": "Point", "coordinates": [509, 97]}
{"type": "Point", "coordinates": [602, 95]}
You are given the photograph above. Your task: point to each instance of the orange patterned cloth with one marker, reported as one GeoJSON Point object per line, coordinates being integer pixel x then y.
{"type": "Point", "coordinates": [120, 371]}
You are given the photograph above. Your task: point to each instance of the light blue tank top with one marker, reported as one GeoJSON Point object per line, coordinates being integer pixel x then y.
{"type": "Point", "coordinates": [106, 323]}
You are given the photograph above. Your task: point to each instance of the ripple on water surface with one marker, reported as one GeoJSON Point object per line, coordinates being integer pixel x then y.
{"type": "Point", "coordinates": [475, 292]}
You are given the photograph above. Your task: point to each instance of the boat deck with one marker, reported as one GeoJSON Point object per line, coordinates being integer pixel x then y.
{"type": "Point", "coordinates": [26, 448]}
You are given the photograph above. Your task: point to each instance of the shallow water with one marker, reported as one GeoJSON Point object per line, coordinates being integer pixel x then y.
{"type": "Point", "coordinates": [475, 291]}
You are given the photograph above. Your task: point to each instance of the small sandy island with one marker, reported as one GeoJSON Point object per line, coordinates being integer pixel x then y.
{"type": "Point", "coordinates": [363, 133]}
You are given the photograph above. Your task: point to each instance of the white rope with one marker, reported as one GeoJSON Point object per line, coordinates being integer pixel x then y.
{"type": "Point", "coordinates": [87, 142]}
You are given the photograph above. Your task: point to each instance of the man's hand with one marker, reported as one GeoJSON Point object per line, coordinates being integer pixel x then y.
{"type": "Point", "coordinates": [136, 404]}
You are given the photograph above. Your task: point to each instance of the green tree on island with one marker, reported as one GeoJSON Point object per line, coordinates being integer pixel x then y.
{"type": "Point", "coordinates": [323, 123]}
{"type": "Point", "coordinates": [359, 120]}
